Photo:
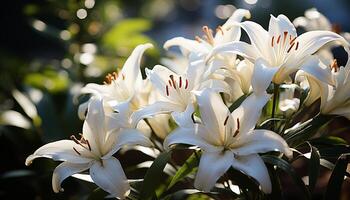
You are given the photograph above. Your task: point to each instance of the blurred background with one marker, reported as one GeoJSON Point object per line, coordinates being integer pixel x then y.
{"type": "Point", "coordinates": [50, 48]}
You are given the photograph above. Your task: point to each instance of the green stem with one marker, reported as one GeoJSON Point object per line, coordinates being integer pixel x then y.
{"type": "Point", "coordinates": [274, 103]}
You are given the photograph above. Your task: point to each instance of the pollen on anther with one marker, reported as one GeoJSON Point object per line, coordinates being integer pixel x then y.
{"type": "Point", "coordinates": [278, 39]}
{"type": "Point", "coordinates": [272, 40]}
{"type": "Point", "coordinates": [285, 36]}
{"type": "Point", "coordinates": [186, 85]}
{"type": "Point", "coordinates": [76, 151]}
{"type": "Point", "coordinates": [296, 47]}
{"type": "Point", "coordinates": [180, 82]}
{"type": "Point", "coordinates": [225, 122]}
{"type": "Point", "coordinates": [167, 90]}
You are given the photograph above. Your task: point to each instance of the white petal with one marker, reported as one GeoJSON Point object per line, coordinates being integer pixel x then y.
{"type": "Point", "coordinates": [211, 167]}
{"type": "Point", "coordinates": [254, 166]}
{"type": "Point", "coordinates": [262, 75]}
{"type": "Point", "coordinates": [241, 48]}
{"type": "Point", "coordinates": [184, 118]}
{"type": "Point", "coordinates": [82, 110]}
{"type": "Point", "coordinates": [159, 107]}
{"type": "Point", "coordinates": [160, 125]}
{"type": "Point", "coordinates": [189, 45]}
{"type": "Point", "coordinates": [262, 141]}
{"type": "Point", "coordinates": [63, 171]}
{"type": "Point", "coordinates": [213, 110]}
{"type": "Point", "coordinates": [126, 137]}
{"type": "Point", "coordinates": [94, 125]}
{"type": "Point", "coordinates": [95, 89]}
{"type": "Point", "coordinates": [131, 69]}
{"type": "Point", "coordinates": [318, 69]}
{"type": "Point", "coordinates": [231, 30]}
{"type": "Point", "coordinates": [186, 135]}
{"type": "Point", "coordinates": [309, 43]}
{"type": "Point", "coordinates": [279, 25]}
{"type": "Point", "coordinates": [259, 38]}
{"type": "Point", "coordinates": [249, 112]}
{"type": "Point", "coordinates": [61, 150]}
{"type": "Point", "coordinates": [110, 177]}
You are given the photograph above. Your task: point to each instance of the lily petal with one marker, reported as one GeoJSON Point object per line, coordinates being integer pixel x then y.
{"type": "Point", "coordinates": [159, 107]}
{"type": "Point", "coordinates": [315, 67]}
{"type": "Point", "coordinates": [241, 48]}
{"type": "Point", "coordinates": [189, 45]}
{"type": "Point", "coordinates": [211, 167]}
{"type": "Point", "coordinates": [255, 167]}
{"type": "Point", "coordinates": [309, 43]}
{"type": "Point", "coordinates": [63, 171]}
{"type": "Point", "coordinates": [110, 177]}
{"type": "Point", "coordinates": [213, 111]}
{"type": "Point", "coordinates": [61, 150]}
{"type": "Point", "coordinates": [249, 112]}
{"type": "Point", "coordinates": [186, 135]}
{"type": "Point", "coordinates": [262, 75]}
{"type": "Point", "coordinates": [281, 24]}
{"type": "Point", "coordinates": [94, 125]}
{"type": "Point", "coordinates": [126, 137]}
{"type": "Point", "coordinates": [131, 69]}
{"type": "Point", "coordinates": [262, 141]}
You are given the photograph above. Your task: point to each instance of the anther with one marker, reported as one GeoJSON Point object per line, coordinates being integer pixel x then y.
{"type": "Point", "coordinates": [72, 137]}
{"type": "Point", "coordinates": [291, 46]}
{"type": "Point", "coordinates": [278, 39]}
{"type": "Point", "coordinates": [219, 29]}
{"type": "Point", "coordinates": [76, 151]}
{"type": "Point", "coordinates": [334, 65]}
{"type": "Point", "coordinates": [170, 83]}
{"type": "Point", "coordinates": [296, 47]}
{"type": "Point", "coordinates": [186, 85]}
{"type": "Point", "coordinates": [172, 79]}
{"type": "Point", "coordinates": [167, 90]}
{"type": "Point", "coordinates": [225, 122]}
{"type": "Point", "coordinates": [180, 82]}
{"type": "Point", "coordinates": [237, 130]}
{"type": "Point", "coordinates": [284, 36]}
{"type": "Point", "coordinates": [292, 40]}
{"type": "Point", "coordinates": [88, 143]}
{"type": "Point", "coordinates": [272, 39]}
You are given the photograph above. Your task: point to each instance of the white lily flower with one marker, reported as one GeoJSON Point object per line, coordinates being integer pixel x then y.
{"type": "Point", "coordinates": [177, 91]}
{"type": "Point", "coordinates": [229, 139]}
{"type": "Point", "coordinates": [224, 34]}
{"type": "Point", "coordinates": [94, 151]}
{"type": "Point", "coordinates": [278, 52]}
{"type": "Point", "coordinates": [125, 86]}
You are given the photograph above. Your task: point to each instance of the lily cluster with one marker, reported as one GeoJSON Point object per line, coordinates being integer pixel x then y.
{"type": "Point", "coordinates": [212, 97]}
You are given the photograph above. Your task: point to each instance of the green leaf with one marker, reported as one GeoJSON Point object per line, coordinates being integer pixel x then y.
{"type": "Point", "coordinates": [187, 168]}
{"type": "Point", "coordinates": [314, 167]}
{"type": "Point", "coordinates": [153, 175]}
{"type": "Point", "coordinates": [238, 102]}
{"type": "Point", "coordinates": [330, 140]}
{"type": "Point", "coordinates": [334, 151]}
{"type": "Point", "coordinates": [337, 177]}
{"type": "Point", "coordinates": [286, 167]}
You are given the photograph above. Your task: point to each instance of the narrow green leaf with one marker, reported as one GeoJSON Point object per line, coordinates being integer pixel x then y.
{"type": "Point", "coordinates": [286, 167]}
{"type": "Point", "coordinates": [187, 168]}
{"type": "Point", "coordinates": [238, 102]}
{"type": "Point", "coordinates": [153, 175]}
{"type": "Point", "coordinates": [337, 177]}
{"type": "Point", "coordinates": [314, 167]}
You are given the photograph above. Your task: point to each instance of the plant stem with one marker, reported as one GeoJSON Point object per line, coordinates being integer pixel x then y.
{"type": "Point", "coordinates": [274, 103]}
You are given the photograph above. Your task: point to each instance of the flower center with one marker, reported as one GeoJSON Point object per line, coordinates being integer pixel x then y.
{"type": "Point", "coordinates": [82, 142]}
{"type": "Point", "coordinates": [208, 35]}
{"type": "Point", "coordinates": [177, 86]}
{"type": "Point", "coordinates": [288, 42]}
{"type": "Point", "coordinates": [110, 77]}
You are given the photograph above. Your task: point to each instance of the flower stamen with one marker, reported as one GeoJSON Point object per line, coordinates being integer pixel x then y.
{"type": "Point", "coordinates": [237, 130]}
{"type": "Point", "coordinates": [219, 29]}
{"type": "Point", "coordinates": [110, 77]}
{"type": "Point", "coordinates": [334, 65]}
{"type": "Point", "coordinates": [208, 35]}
